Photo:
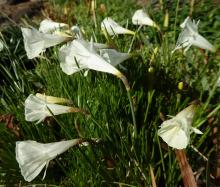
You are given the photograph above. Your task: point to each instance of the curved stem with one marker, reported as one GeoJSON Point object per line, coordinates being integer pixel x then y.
{"type": "Point", "coordinates": [125, 81]}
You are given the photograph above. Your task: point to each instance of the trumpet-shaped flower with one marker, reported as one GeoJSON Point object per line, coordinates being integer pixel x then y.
{"type": "Point", "coordinates": [36, 42]}
{"type": "Point", "coordinates": [32, 156]}
{"type": "Point", "coordinates": [176, 131]}
{"type": "Point", "coordinates": [190, 36]}
{"type": "Point", "coordinates": [140, 17]}
{"type": "Point", "coordinates": [49, 26]}
{"type": "Point", "coordinates": [52, 99]}
{"type": "Point", "coordinates": [79, 55]}
{"type": "Point", "coordinates": [38, 107]}
{"type": "Point", "coordinates": [112, 28]}
{"type": "Point", "coordinates": [114, 57]}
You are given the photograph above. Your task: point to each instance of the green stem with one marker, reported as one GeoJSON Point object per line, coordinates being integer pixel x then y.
{"type": "Point", "coordinates": [128, 89]}
{"type": "Point", "coordinates": [133, 38]}
{"type": "Point", "coordinates": [177, 9]}
{"type": "Point", "coordinates": [132, 112]}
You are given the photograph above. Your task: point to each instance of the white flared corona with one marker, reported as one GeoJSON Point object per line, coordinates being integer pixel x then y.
{"type": "Point", "coordinates": [140, 17]}
{"type": "Point", "coordinates": [176, 131]}
{"type": "Point", "coordinates": [112, 28]}
{"type": "Point", "coordinates": [114, 57]}
{"type": "Point", "coordinates": [36, 42]}
{"type": "Point", "coordinates": [32, 156]}
{"type": "Point", "coordinates": [49, 26]}
{"type": "Point", "coordinates": [190, 36]}
{"type": "Point", "coordinates": [38, 107]}
{"type": "Point", "coordinates": [79, 55]}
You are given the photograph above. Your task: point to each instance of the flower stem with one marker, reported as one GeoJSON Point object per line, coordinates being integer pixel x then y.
{"type": "Point", "coordinates": [132, 112]}
{"type": "Point", "coordinates": [134, 36]}
{"type": "Point", "coordinates": [125, 81]}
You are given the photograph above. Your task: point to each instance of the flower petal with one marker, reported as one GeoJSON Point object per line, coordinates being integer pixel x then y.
{"type": "Point", "coordinates": [201, 42]}
{"type": "Point", "coordinates": [36, 42]}
{"type": "Point", "coordinates": [113, 57]}
{"type": "Point", "coordinates": [32, 156]}
{"type": "Point", "coordinates": [49, 26]}
{"type": "Point", "coordinates": [140, 17]}
{"type": "Point", "coordinates": [174, 136]}
{"type": "Point", "coordinates": [197, 131]}
{"type": "Point", "coordinates": [79, 55]}
{"type": "Point", "coordinates": [113, 28]}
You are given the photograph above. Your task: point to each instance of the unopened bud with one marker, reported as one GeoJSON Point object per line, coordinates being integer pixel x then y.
{"type": "Point", "coordinates": [180, 85]}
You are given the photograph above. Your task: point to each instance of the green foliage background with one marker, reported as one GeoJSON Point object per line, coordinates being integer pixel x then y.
{"type": "Point", "coordinates": [118, 159]}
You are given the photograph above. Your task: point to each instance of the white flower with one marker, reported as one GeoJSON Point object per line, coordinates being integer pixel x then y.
{"type": "Point", "coordinates": [176, 131]}
{"type": "Point", "coordinates": [49, 26]}
{"type": "Point", "coordinates": [113, 57]}
{"type": "Point", "coordinates": [36, 42]}
{"type": "Point", "coordinates": [79, 55]}
{"type": "Point", "coordinates": [52, 99]}
{"type": "Point", "coordinates": [32, 156]}
{"type": "Point", "coordinates": [190, 36]}
{"type": "Point", "coordinates": [38, 108]}
{"type": "Point", "coordinates": [112, 28]}
{"type": "Point", "coordinates": [140, 17]}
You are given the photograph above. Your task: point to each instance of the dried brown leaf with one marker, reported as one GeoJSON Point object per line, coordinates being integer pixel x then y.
{"type": "Point", "coordinates": [186, 170]}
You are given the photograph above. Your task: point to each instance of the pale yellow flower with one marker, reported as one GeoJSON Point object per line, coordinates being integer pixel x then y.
{"type": "Point", "coordinates": [113, 28]}
{"type": "Point", "coordinates": [32, 156]}
{"type": "Point", "coordinates": [176, 131]}
{"type": "Point", "coordinates": [190, 36]}
{"type": "Point", "coordinates": [140, 17]}
{"type": "Point", "coordinates": [36, 42]}
{"type": "Point", "coordinates": [38, 107]}
{"type": "Point", "coordinates": [79, 55]}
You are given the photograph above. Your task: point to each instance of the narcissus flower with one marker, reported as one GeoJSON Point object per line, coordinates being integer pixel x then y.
{"type": "Point", "coordinates": [140, 17]}
{"type": "Point", "coordinates": [38, 107]}
{"type": "Point", "coordinates": [79, 55]}
{"type": "Point", "coordinates": [112, 28]}
{"type": "Point", "coordinates": [36, 42]}
{"type": "Point", "coordinates": [190, 36]}
{"type": "Point", "coordinates": [176, 131]}
{"type": "Point", "coordinates": [49, 26]}
{"type": "Point", "coordinates": [52, 99]}
{"type": "Point", "coordinates": [32, 156]}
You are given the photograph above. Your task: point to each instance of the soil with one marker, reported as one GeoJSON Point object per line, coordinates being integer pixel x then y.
{"type": "Point", "coordinates": [11, 11]}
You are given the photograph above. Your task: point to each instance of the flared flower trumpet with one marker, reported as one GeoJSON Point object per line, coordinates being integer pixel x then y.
{"type": "Point", "coordinates": [79, 55]}
{"type": "Point", "coordinates": [140, 17]}
{"type": "Point", "coordinates": [113, 28]}
{"type": "Point", "coordinates": [36, 42]}
{"type": "Point", "coordinates": [176, 131]}
{"type": "Point", "coordinates": [49, 26]}
{"type": "Point", "coordinates": [32, 156]}
{"type": "Point", "coordinates": [38, 107]}
{"type": "Point", "coordinates": [190, 36]}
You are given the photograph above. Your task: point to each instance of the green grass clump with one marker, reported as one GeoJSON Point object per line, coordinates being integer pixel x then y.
{"type": "Point", "coordinates": [118, 159]}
